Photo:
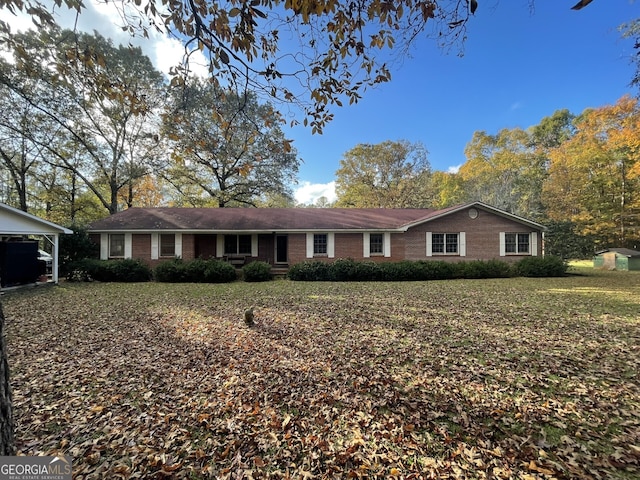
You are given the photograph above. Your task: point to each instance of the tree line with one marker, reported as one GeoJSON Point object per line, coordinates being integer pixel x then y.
{"type": "Point", "coordinates": [578, 174]}
{"type": "Point", "coordinates": [88, 128]}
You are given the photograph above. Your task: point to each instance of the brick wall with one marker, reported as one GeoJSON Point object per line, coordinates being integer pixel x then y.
{"type": "Point", "coordinates": [141, 247]}
{"type": "Point", "coordinates": [482, 236]}
{"type": "Point", "coordinates": [188, 246]}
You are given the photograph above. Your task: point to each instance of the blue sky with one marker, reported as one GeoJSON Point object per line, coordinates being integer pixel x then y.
{"type": "Point", "coordinates": [518, 67]}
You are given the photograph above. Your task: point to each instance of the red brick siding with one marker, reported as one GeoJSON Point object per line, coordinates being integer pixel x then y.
{"type": "Point", "coordinates": [141, 246]}
{"type": "Point", "coordinates": [482, 236]}
{"type": "Point", "coordinates": [297, 244]}
{"type": "Point", "coordinates": [188, 246]}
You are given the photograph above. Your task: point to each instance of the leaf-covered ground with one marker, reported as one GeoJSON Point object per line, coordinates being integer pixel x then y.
{"type": "Point", "coordinates": [509, 378]}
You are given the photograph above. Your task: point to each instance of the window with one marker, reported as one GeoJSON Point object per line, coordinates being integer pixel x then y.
{"type": "Point", "coordinates": [376, 244]}
{"type": "Point", "coordinates": [116, 245]}
{"type": "Point", "coordinates": [320, 244]}
{"type": "Point", "coordinates": [167, 245]}
{"type": "Point", "coordinates": [444, 243]}
{"type": "Point", "coordinates": [237, 244]}
{"type": "Point", "coordinates": [517, 243]}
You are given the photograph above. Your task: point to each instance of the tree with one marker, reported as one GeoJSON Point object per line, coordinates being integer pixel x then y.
{"type": "Point", "coordinates": [230, 147]}
{"type": "Point", "coordinates": [343, 47]}
{"type": "Point", "coordinates": [503, 170]}
{"type": "Point", "coordinates": [386, 175]}
{"type": "Point", "coordinates": [632, 30]}
{"type": "Point", "coordinates": [448, 189]}
{"type": "Point", "coordinates": [594, 177]}
{"type": "Point", "coordinates": [101, 101]}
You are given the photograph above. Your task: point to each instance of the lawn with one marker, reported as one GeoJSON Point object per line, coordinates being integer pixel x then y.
{"type": "Point", "coordinates": [506, 378]}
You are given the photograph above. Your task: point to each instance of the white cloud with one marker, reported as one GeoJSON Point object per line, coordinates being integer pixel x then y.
{"type": "Point", "coordinates": [309, 192]}
{"type": "Point", "coordinates": [454, 169]}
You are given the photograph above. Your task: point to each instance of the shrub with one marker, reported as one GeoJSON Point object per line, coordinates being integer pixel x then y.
{"type": "Point", "coordinates": [541, 267]}
{"type": "Point", "coordinates": [217, 271]}
{"type": "Point", "coordinates": [195, 271]}
{"type": "Point", "coordinates": [310, 271]}
{"type": "Point", "coordinates": [257, 272]}
{"type": "Point", "coordinates": [73, 249]}
{"type": "Point", "coordinates": [368, 271]}
{"type": "Point", "coordinates": [126, 270]}
{"type": "Point", "coordinates": [172, 271]}
{"type": "Point", "coordinates": [484, 269]}
{"type": "Point", "coordinates": [344, 270]}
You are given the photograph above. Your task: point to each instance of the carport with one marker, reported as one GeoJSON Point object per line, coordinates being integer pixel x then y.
{"type": "Point", "coordinates": [16, 223]}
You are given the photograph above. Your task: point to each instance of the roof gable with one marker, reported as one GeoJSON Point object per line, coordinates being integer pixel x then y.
{"type": "Point", "coordinates": [481, 206]}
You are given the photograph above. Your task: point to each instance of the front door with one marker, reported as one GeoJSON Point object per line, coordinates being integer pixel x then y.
{"type": "Point", "coordinates": [281, 249]}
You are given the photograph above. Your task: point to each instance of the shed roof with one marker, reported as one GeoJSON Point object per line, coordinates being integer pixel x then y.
{"type": "Point", "coordinates": [627, 252]}
{"type": "Point", "coordinates": [277, 219]}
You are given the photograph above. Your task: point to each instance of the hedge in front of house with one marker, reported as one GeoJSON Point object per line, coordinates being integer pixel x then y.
{"type": "Point", "coordinates": [350, 270]}
{"type": "Point", "coordinates": [195, 271]}
{"type": "Point", "coordinates": [125, 270]}
{"type": "Point", "coordinates": [257, 272]}
{"type": "Point", "coordinates": [549, 266]}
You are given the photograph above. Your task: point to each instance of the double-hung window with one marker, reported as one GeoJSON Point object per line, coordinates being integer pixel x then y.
{"type": "Point", "coordinates": [116, 245]}
{"type": "Point", "coordinates": [320, 242]}
{"type": "Point", "coordinates": [376, 244]}
{"type": "Point", "coordinates": [168, 245]}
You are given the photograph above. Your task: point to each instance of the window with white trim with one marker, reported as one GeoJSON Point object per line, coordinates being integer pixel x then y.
{"type": "Point", "coordinates": [237, 244]}
{"type": "Point", "coordinates": [320, 243]}
{"type": "Point", "coordinates": [116, 245]}
{"type": "Point", "coordinates": [167, 245]}
{"type": "Point", "coordinates": [444, 243]}
{"type": "Point", "coordinates": [376, 244]}
{"type": "Point", "coordinates": [517, 243]}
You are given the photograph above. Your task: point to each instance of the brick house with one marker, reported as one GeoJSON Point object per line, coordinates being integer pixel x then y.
{"type": "Point", "coordinates": [286, 236]}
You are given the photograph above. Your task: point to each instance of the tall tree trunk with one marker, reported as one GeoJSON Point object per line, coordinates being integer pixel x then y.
{"type": "Point", "coordinates": [7, 445]}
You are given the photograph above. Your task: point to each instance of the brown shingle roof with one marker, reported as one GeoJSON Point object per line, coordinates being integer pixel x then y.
{"type": "Point", "coordinates": [260, 219]}
{"type": "Point", "coordinates": [280, 219]}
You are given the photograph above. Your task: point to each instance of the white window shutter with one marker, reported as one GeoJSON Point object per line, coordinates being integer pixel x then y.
{"type": "Point", "coordinates": [534, 244]}
{"type": "Point", "coordinates": [386, 243]}
{"type": "Point", "coordinates": [127, 245]}
{"type": "Point", "coordinates": [463, 244]}
{"type": "Point", "coordinates": [254, 245]}
{"type": "Point", "coordinates": [178, 245]}
{"type": "Point", "coordinates": [155, 246]}
{"type": "Point", "coordinates": [104, 246]}
{"type": "Point", "coordinates": [309, 245]}
{"type": "Point", "coordinates": [429, 247]}
{"type": "Point", "coordinates": [366, 245]}
{"type": "Point", "coordinates": [331, 245]}
{"type": "Point", "coordinates": [502, 246]}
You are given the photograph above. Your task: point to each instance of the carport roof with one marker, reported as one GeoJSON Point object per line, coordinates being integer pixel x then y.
{"type": "Point", "coordinates": [17, 222]}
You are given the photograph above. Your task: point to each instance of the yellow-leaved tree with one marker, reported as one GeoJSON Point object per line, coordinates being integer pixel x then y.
{"type": "Point", "coordinates": [594, 177]}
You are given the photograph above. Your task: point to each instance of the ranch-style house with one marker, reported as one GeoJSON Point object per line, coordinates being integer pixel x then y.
{"type": "Point", "coordinates": [286, 236]}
